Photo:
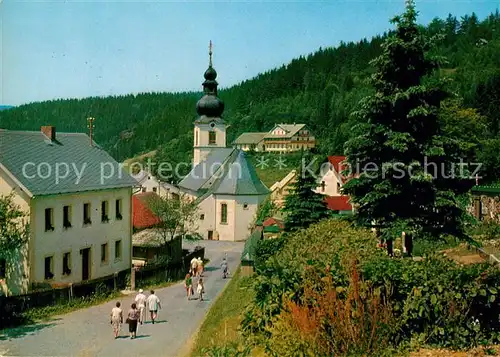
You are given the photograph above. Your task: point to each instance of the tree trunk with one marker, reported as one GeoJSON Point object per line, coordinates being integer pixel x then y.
{"type": "Point", "coordinates": [409, 244]}
{"type": "Point", "coordinates": [390, 251]}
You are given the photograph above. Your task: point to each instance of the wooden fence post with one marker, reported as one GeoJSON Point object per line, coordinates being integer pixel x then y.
{"type": "Point", "coordinates": [132, 278]}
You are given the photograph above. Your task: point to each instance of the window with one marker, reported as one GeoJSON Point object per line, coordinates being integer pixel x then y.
{"type": "Point", "coordinates": [144, 189]}
{"type": "Point", "coordinates": [104, 253]}
{"type": "Point", "coordinates": [66, 216]}
{"type": "Point", "coordinates": [86, 214]}
{"type": "Point", "coordinates": [104, 212]}
{"type": "Point", "coordinates": [118, 249]}
{"type": "Point", "coordinates": [211, 138]}
{"type": "Point", "coordinates": [323, 186]}
{"type": "Point", "coordinates": [154, 189]}
{"type": "Point", "coordinates": [49, 219]}
{"type": "Point", "coordinates": [49, 264]}
{"type": "Point", "coordinates": [338, 187]}
{"type": "Point", "coordinates": [66, 263]}
{"type": "Point", "coordinates": [118, 209]}
{"type": "Point", "coordinates": [223, 213]}
{"type": "Point", "coordinates": [3, 268]}
{"type": "Point", "coordinates": [245, 205]}
{"type": "Point", "coordinates": [202, 217]}
{"type": "Point", "coordinates": [196, 138]}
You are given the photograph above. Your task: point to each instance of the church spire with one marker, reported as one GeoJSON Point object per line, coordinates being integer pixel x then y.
{"type": "Point", "coordinates": [210, 105]}
{"type": "Point", "coordinates": [210, 54]}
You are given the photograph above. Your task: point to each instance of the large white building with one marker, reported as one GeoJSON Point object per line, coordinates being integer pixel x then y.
{"type": "Point", "coordinates": [223, 181]}
{"type": "Point", "coordinates": [78, 205]}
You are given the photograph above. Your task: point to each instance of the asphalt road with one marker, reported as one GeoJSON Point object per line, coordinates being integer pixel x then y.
{"type": "Point", "coordinates": [87, 332]}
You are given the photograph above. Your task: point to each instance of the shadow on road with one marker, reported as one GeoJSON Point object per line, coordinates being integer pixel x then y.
{"type": "Point", "coordinates": [22, 331]}
{"type": "Point", "coordinates": [143, 336]}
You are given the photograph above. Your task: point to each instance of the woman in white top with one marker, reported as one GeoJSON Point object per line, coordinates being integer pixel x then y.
{"type": "Point", "coordinates": [116, 319]}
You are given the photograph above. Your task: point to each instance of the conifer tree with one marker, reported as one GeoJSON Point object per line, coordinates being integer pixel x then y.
{"type": "Point", "coordinates": [303, 206]}
{"type": "Point", "coordinates": [409, 174]}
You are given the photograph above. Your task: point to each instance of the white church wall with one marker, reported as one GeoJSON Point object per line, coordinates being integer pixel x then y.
{"type": "Point", "coordinates": [205, 221]}
{"type": "Point", "coordinates": [245, 213]}
{"type": "Point", "coordinates": [225, 230]}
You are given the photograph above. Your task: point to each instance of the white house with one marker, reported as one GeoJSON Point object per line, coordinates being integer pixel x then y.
{"type": "Point", "coordinates": [78, 202]}
{"type": "Point", "coordinates": [282, 138]}
{"type": "Point", "coordinates": [331, 180]}
{"type": "Point", "coordinates": [330, 184]}
{"type": "Point", "coordinates": [223, 181]}
{"type": "Point", "coordinates": [149, 183]}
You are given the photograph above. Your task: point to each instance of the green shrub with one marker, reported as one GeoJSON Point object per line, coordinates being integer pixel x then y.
{"type": "Point", "coordinates": [486, 230]}
{"type": "Point", "coordinates": [265, 249]}
{"type": "Point", "coordinates": [436, 301]}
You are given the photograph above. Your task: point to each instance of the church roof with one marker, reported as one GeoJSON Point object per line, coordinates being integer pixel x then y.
{"type": "Point", "coordinates": [201, 174]}
{"type": "Point", "coordinates": [225, 171]}
{"type": "Point", "coordinates": [240, 178]}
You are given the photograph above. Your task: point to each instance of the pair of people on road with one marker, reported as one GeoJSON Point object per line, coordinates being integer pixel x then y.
{"type": "Point", "coordinates": [153, 305]}
{"type": "Point", "coordinates": [188, 285]}
{"type": "Point", "coordinates": [117, 319]}
{"type": "Point", "coordinates": [196, 267]}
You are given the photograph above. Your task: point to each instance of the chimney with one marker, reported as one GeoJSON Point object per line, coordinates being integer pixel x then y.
{"type": "Point", "coordinates": [49, 131]}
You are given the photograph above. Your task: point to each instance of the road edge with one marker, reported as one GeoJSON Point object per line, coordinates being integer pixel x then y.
{"type": "Point", "coordinates": [187, 350]}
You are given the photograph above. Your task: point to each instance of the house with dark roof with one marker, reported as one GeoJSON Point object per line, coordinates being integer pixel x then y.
{"type": "Point", "coordinates": [222, 181]}
{"type": "Point", "coordinates": [77, 199]}
{"type": "Point", "coordinates": [149, 183]}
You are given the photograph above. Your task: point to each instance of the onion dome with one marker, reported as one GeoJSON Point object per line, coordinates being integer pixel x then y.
{"type": "Point", "coordinates": [210, 105]}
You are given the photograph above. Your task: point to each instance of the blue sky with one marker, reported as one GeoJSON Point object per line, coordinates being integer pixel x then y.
{"type": "Point", "coordinates": [75, 49]}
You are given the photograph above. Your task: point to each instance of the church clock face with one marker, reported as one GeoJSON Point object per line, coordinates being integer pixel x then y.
{"type": "Point", "coordinates": [212, 125]}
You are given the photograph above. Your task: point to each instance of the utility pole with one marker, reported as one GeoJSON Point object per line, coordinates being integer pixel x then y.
{"type": "Point", "coordinates": [90, 126]}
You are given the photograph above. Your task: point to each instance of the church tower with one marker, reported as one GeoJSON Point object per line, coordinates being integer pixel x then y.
{"type": "Point", "coordinates": [209, 128]}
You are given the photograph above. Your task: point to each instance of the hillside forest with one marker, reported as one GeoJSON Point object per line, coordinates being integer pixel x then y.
{"type": "Point", "coordinates": [321, 89]}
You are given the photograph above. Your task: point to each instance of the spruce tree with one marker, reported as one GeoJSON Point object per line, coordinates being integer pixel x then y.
{"type": "Point", "coordinates": [303, 206]}
{"type": "Point", "coordinates": [409, 178]}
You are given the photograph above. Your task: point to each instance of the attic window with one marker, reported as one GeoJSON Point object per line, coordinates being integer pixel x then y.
{"type": "Point", "coordinates": [323, 186]}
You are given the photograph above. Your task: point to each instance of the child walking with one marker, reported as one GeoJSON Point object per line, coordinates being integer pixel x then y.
{"type": "Point", "coordinates": [200, 289]}
{"type": "Point", "coordinates": [188, 284]}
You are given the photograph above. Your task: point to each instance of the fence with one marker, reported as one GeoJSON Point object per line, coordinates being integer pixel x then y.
{"type": "Point", "coordinates": [13, 307]}
{"type": "Point", "coordinates": [167, 272]}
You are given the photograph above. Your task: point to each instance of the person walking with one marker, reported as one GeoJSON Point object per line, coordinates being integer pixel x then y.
{"type": "Point", "coordinates": [200, 289]}
{"type": "Point", "coordinates": [132, 318]}
{"type": "Point", "coordinates": [194, 266]}
{"type": "Point", "coordinates": [188, 285]}
{"type": "Point", "coordinates": [200, 268]}
{"type": "Point", "coordinates": [116, 319]}
{"type": "Point", "coordinates": [140, 300]}
{"type": "Point", "coordinates": [153, 305]}
{"type": "Point", "coordinates": [225, 270]}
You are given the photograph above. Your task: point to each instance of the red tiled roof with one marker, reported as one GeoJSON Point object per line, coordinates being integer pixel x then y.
{"type": "Point", "coordinates": [273, 222]}
{"type": "Point", "coordinates": [338, 203]}
{"type": "Point", "coordinates": [142, 216]}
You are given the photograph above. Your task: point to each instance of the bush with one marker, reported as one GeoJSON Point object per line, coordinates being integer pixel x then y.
{"type": "Point", "coordinates": [486, 230]}
{"type": "Point", "coordinates": [265, 249]}
{"type": "Point", "coordinates": [435, 301]}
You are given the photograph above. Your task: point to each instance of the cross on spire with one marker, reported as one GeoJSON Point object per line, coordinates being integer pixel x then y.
{"type": "Point", "coordinates": [210, 53]}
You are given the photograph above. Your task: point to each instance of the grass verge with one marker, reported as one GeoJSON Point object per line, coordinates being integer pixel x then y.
{"type": "Point", "coordinates": [220, 327]}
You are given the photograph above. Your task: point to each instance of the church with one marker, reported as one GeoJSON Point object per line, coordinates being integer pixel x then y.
{"type": "Point", "coordinates": [223, 181]}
